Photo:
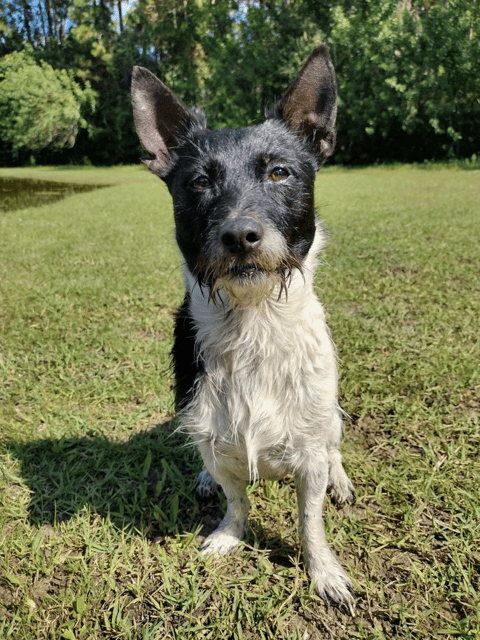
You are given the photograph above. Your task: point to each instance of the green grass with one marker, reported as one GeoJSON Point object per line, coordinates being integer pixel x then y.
{"type": "Point", "coordinates": [99, 524]}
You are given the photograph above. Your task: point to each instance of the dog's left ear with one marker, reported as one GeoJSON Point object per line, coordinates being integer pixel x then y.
{"type": "Point", "coordinates": [309, 106]}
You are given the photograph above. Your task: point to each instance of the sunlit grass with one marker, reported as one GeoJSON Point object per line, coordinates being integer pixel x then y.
{"type": "Point", "coordinates": [99, 523]}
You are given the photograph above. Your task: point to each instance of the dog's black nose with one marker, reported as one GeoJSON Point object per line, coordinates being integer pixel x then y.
{"type": "Point", "coordinates": [241, 234]}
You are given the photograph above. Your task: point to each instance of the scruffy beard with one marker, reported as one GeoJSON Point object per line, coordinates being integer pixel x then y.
{"type": "Point", "coordinates": [247, 284]}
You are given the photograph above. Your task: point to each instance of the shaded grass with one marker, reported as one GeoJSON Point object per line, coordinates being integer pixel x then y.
{"type": "Point", "coordinates": [99, 525]}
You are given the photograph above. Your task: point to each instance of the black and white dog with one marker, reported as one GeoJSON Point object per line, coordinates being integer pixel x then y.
{"type": "Point", "coordinates": [255, 369]}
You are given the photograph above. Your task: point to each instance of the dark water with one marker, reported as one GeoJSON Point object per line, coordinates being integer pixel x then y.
{"type": "Point", "coordinates": [19, 193]}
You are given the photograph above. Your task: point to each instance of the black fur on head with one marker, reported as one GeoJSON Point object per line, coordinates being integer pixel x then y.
{"type": "Point", "coordinates": [243, 198]}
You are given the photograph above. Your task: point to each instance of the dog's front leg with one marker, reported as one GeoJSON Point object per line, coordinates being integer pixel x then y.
{"type": "Point", "coordinates": [232, 528]}
{"type": "Point", "coordinates": [331, 582]}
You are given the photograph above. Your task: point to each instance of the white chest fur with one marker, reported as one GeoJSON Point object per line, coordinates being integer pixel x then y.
{"type": "Point", "coordinates": [269, 391]}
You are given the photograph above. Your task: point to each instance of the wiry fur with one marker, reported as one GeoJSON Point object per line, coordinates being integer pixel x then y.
{"type": "Point", "coordinates": [255, 368]}
{"type": "Point", "coordinates": [262, 394]}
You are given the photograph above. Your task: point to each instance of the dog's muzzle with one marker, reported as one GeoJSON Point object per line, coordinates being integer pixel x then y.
{"type": "Point", "coordinates": [247, 258]}
{"type": "Point", "coordinates": [241, 243]}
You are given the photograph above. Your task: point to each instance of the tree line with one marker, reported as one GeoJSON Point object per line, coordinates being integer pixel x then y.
{"type": "Point", "coordinates": [408, 71]}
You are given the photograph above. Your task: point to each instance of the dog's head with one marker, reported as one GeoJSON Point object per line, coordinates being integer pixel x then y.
{"type": "Point", "coordinates": [243, 198]}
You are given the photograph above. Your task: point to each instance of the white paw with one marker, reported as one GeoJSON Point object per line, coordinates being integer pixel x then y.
{"type": "Point", "coordinates": [341, 491]}
{"type": "Point", "coordinates": [335, 587]}
{"type": "Point", "coordinates": [220, 543]}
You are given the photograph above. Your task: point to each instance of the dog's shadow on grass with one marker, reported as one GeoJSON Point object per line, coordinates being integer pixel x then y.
{"type": "Point", "coordinates": [145, 484]}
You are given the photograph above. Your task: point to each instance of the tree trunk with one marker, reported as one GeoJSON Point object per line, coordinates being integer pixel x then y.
{"type": "Point", "coordinates": [120, 18]}
{"type": "Point", "coordinates": [27, 14]}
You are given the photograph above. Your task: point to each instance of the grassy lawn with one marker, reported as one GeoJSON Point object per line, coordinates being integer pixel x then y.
{"type": "Point", "coordinates": [99, 523]}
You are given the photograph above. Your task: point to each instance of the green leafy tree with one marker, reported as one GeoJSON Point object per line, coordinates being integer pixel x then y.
{"type": "Point", "coordinates": [39, 106]}
{"type": "Point", "coordinates": [408, 77]}
{"type": "Point", "coordinates": [408, 70]}
{"type": "Point", "coordinates": [233, 59]}
{"type": "Point", "coordinates": [251, 65]}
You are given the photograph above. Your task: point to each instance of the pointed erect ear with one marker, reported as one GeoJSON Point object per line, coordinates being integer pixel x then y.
{"type": "Point", "coordinates": [309, 106]}
{"type": "Point", "coordinates": [160, 118]}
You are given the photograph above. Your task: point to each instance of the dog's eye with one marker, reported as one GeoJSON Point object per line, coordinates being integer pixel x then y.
{"type": "Point", "coordinates": [200, 183]}
{"type": "Point", "coordinates": [278, 174]}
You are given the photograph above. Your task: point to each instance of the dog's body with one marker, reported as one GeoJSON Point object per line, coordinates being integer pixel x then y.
{"type": "Point", "coordinates": [255, 369]}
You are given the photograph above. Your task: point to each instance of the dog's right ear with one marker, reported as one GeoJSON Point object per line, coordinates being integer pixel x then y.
{"type": "Point", "coordinates": [309, 106]}
{"type": "Point", "coordinates": [160, 118]}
